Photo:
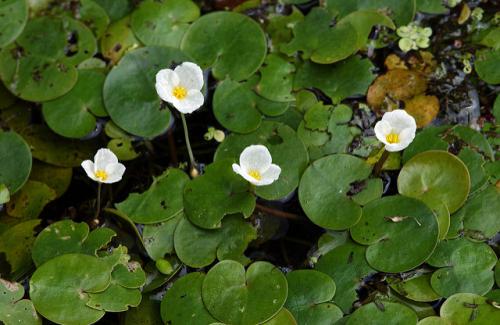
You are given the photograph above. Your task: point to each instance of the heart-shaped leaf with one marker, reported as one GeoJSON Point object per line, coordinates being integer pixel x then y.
{"type": "Point", "coordinates": [383, 313]}
{"type": "Point", "coordinates": [14, 309]}
{"type": "Point", "coordinates": [15, 161]}
{"type": "Point", "coordinates": [14, 15]}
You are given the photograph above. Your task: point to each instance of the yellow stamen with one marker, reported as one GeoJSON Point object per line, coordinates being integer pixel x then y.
{"type": "Point", "coordinates": [101, 174]}
{"type": "Point", "coordinates": [179, 92]}
{"type": "Point", "coordinates": [255, 174]}
{"type": "Point", "coordinates": [392, 138]}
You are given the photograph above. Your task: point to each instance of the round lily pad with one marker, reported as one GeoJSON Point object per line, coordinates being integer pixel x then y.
{"type": "Point", "coordinates": [15, 161]}
{"type": "Point", "coordinates": [14, 309]}
{"type": "Point", "coordinates": [438, 175]}
{"type": "Point", "coordinates": [324, 190]}
{"type": "Point", "coordinates": [383, 312]}
{"type": "Point", "coordinates": [163, 23]}
{"type": "Point", "coordinates": [347, 266]}
{"type": "Point", "coordinates": [284, 317]}
{"type": "Point", "coordinates": [276, 80]}
{"type": "Point", "coordinates": [212, 42]}
{"type": "Point", "coordinates": [235, 297]}
{"type": "Point", "coordinates": [141, 115]}
{"type": "Point", "coordinates": [391, 225]}
{"type": "Point", "coordinates": [118, 40]}
{"type": "Point", "coordinates": [158, 238]}
{"type": "Point", "coordinates": [183, 302]}
{"type": "Point", "coordinates": [198, 247]}
{"type": "Point", "coordinates": [218, 192]}
{"type": "Point", "coordinates": [464, 267]}
{"type": "Point", "coordinates": [487, 64]}
{"type": "Point", "coordinates": [417, 288]}
{"type": "Point", "coordinates": [433, 320]}
{"type": "Point", "coordinates": [309, 296]}
{"type": "Point", "coordinates": [74, 114]}
{"type": "Point", "coordinates": [286, 149]}
{"type": "Point", "coordinates": [469, 308]}
{"type": "Point", "coordinates": [60, 288]}
{"type": "Point", "coordinates": [14, 15]}
{"type": "Point", "coordinates": [29, 202]}
{"type": "Point", "coordinates": [162, 201]}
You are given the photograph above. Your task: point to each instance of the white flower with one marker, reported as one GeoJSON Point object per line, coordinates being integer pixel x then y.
{"type": "Point", "coordinates": [105, 168]}
{"type": "Point", "coordinates": [181, 87]}
{"type": "Point", "coordinates": [396, 130]}
{"type": "Point", "coordinates": [256, 166]}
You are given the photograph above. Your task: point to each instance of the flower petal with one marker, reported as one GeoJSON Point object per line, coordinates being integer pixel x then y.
{"type": "Point", "coordinates": [382, 129]}
{"type": "Point", "coordinates": [103, 158]}
{"type": "Point", "coordinates": [191, 103]}
{"type": "Point", "coordinates": [399, 119]}
{"type": "Point", "coordinates": [115, 173]}
{"type": "Point", "coordinates": [393, 147]}
{"type": "Point", "coordinates": [238, 170]}
{"type": "Point", "coordinates": [88, 166]}
{"type": "Point", "coordinates": [190, 75]}
{"type": "Point", "coordinates": [256, 157]}
{"type": "Point", "coordinates": [167, 78]}
{"type": "Point", "coordinates": [270, 175]}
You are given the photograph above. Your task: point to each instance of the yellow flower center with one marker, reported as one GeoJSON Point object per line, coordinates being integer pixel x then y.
{"type": "Point", "coordinates": [392, 138]}
{"type": "Point", "coordinates": [179, 92]}
{"type": "Point", "coordinates": [255, 174]}
{"type": "Point", "coordinates": [101, 174]}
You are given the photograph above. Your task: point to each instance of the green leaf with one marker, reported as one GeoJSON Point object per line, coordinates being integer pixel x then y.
{"type": "Point", "coordinates": [163, 23]}
{"type": "Point", "coordinates": [74, 114]}
{"type": "Point", "coordinates": [276, 80]}
{"type": "Point", "coordinates": [65, 237]}
{"type": "Point", "coordinates": [183, 302]}
{"type": "Point", "coordinates": [390, 225]}
{"type": "Point", "coordinates": [158, 238]}
{"type": "Point", "coordinates": [464, 267]}
{"type": "Point", "coordinates": [212, 42]}
{"type": "Point", "coordinates": [469, 308]}
{"type": "Point", "coordinates": [435, 175]}
{"type": "Point", "coordinates": [236, 297]}
{"type": "Point", "coordinates": [14, 309]}
{"type": "Point", "coordinates": [324, 191]}
{"type": "Point", "coordinates": [417, 288]}
{"type": "Point", "coordinates": [284, 317]}
{"type": "Point", "coordinates": [116, 9]}
{"type": "Point", "coordinates": [147, 313]}
{"type": "Point", "coordinates": [286, 149]}
{"type": "Point", "coordinates": [336, 80]}
{"type": "Point", "coordinates": [162, 201]}
{"type": "Point", "coordinates": [218, 192]}
{"type": "Point", "coordinates": [30, 201]}
{"type": "Point", "coordinates": [431, 6]}
{"type": "Point", "coordinates": [135, 74]}
{"type": "Point", "coordinates": [383, 312]}
{"type": "Point", "coordinates": [487, 65]}
{"type": "Point", "coordinates": [363, 21]}
{"type": "Point", "coordinates": [347, 266]}
{"type": "Point", "coordinates": [309, 296]}
{"type": "Point", "coordinates": [197, 247]}
{"type": "Point", "coordinates": [317, 40]}
{"type": "Point", "coordinates": [4, 194]}
{"type": "Point", "coordinates": [118, 40]}
{"type": "Point", "coordinates": [15, 161]}
{"type": "Point", "coordinates": [57, 178]}
{"type": "Point", "coordinates": [14, 15]}
{"type": "Point", "coordinates": [94, 16]}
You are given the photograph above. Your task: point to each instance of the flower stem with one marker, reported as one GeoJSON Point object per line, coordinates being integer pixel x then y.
{"type": "Point", "coordinates": [188, 143]}
{"type": "Point", "coordinates": [98, 206]}
{"type": "Point", "coordinates": [378, 166]}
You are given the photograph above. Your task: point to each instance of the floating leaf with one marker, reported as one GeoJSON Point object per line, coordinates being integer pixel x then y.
{"type": "Point", "coordinates": [389, 225]}
{"type": "Point", "coordinates": [435, 175]}
{"type": "Point", "coordinates": [383, 312]}
{"type": "Point", "coordinates": [14, 309]}
{"type": "Point", "coordinates": [402, 11]}
{"type": "Point", "coordinates": [467, 308]}
{"type": "Point", "coordinates": [135, 74]}
{"type": "Point", "coordinates": [29, 202]}
{"type": "Point", "coordinates": [284, 317]}
{"type": "Point", "coordinates": [347, 266]}
{"type": "Point", "coordinates": [212, 42]}
{"type": "Point", "coordinates": [147, 313]}
{"type": "Point", "coordinates": [15, 161]}
{"type": "Point", "coordinates": [197, 247]}
{"type": "Point", "coordinates": [286, 149]}
{"type": "Point", "coordinates": [324, 190]}
{"type": "Point", "coordinates": [487, 65]}
{"type": "Point", "coordinates": [363, 21]}
{"type": "Point", "coordinates": [14, 15]}
{"type": "Point", "coordinates": [416, 288]}
{"type": "Point", "coordinates": [218, 192]}
{"type": "Point", "coordinates": [163, 23]}
{"type": "Point", "coordinates": [465, 267]}
{"type": "Point", "coordinates": [276, 80]}
{"type": "Point", "coordinates": [57, 178]}
{"type": "Point", "coordinates": [116, 9]}
{"type": "Point", "coordinates": [255, 296]}
{"type": "Point", "coordinates": [118, 40]}
{"type": "Point", "coordinates": [158, 238]}
{"type": "Point", "coordinates": [162, 201]}
{"type": "Point", "coordinates": [183, 302]}
{"type": "Point", "coordinates": [309, 296]}
{"type": "Point", "coordinates": [74, 114]}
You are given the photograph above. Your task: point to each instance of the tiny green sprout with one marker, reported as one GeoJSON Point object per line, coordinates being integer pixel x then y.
{"type": "Point", "coordinates": [213, 133]}
{"type": "Point", "coordinates": [164, 266]}
{"type": "Point", "coordinates": [477, 14]}
{"type": "Point", "coordinates": [413, 37]}
{"type": "Point", "coordinates": [453, 3]}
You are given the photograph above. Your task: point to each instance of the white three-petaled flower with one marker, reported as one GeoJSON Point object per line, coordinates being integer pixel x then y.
{"type": "Point", "coordinates": [396, 130]}
{"type": "Point", "coordinates": [181, 87]}
{"type": "Point", "coordinates": [105, 168]}
{"type": "Point", "coordinates": [256, 166]}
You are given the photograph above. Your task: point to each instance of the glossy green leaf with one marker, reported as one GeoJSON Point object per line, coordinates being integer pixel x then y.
{"type": "Point", "coordinates": [237, 297]}
{"type": "Point", "coordinates": [212, 42]}
{"type": "Point", "coordinates": [14, 309]}
{"type": "Point", "coordinates": [324, 190]}
{"type": "Point", "coordinates": [116, 9]}
{"type": "Point", "coordinates": [487, 65]}
{"type": "Point", "coordinates": [284, 317]}
{"type": "Point", "coordinates": [135, 74]}
{"type": "Point", "coordinates": [468, 308]}
{"type": "Point", "coordinates": [118, 40]}
{"type": "Point", "coordinates": [276, 81]}
{"type": "Point", "coordinates": [15, 161]}
{"type": "Point", "coordinates": [402, 11]}
{"type": "Point", "coordinates": [163, 23]}
{"type": "Point", "coordinates": [158, 238]}
{"type": "Point", "coordinates": [364, 20]}
{"type": "Point", "coordinates": [218, 192]}
{"type": "Point", "coordinates": [14, 15]}
{"type": "Point", "coordinates": [383, 312]}
{"type": "Point", "coordinates": [391, 226]}
{"type": "Point", "coordinates": [416, 288]}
